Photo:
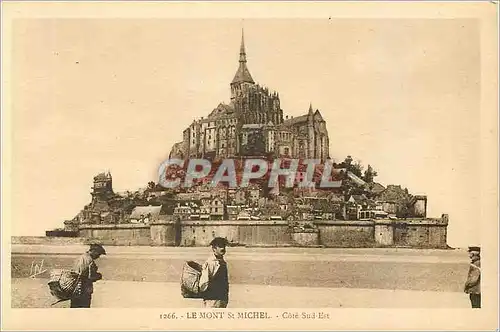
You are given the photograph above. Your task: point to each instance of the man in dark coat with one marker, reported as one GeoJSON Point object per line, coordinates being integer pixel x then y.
{"type": "Point", "coordinates": [86, 267]}
{"type": "Point", "coordinates": [214, 280]}
{"type": "Point", "coordinates": [473, 283]}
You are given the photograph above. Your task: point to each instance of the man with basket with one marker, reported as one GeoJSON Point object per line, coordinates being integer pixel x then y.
{"type": "Point", "coordinates": [214, 281]}
{"type": "Point", "coordinates": [86, 268]}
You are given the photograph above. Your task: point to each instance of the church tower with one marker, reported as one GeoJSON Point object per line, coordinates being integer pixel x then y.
{"type": "Point", "coordinates": [242, 79]}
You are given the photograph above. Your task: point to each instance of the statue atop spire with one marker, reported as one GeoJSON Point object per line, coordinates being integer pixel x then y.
{"type": "Point", "coordinates": [242, 75]}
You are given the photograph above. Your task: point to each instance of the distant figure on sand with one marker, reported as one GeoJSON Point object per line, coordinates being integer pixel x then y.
{"type": "Point", "coordinates": [86, 267]}
{"type": "Point", "coordinates": [473, 283]}
{"type": "Point", "coordinates": [214, 281]}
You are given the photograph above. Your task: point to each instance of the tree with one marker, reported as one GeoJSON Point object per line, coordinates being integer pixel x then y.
{"type": "Point", "coordinates": [357, 169]}
{"type": "Point", "coordinates": [370, 173]}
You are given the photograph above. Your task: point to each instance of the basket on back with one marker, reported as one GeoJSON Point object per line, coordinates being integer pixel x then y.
{"type": "Point", "coordinates": [190, 280]}
{"type": "Point", "coordinates": [64, 284]}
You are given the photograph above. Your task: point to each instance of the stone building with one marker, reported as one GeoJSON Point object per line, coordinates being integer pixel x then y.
{"type": "Point", "coordinates": [252, 124]}
{"type": "Point", "coordinates": [102, 189]}
{"type": "Point", "coordinates": [101, 208]}
{"type": "Point", "coordinates": [106, 207]}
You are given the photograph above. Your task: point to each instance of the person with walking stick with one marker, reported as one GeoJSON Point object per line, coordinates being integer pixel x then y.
{"type": "Point", "coordinates": [473, 283]}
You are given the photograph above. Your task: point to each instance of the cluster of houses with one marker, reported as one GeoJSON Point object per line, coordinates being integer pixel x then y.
{"type": "Point", "coordinates": [247, 204]}
{"type": "Point", "coordinates": [375, 202]}
{"type": "Point", "coordinates": [203, 202]}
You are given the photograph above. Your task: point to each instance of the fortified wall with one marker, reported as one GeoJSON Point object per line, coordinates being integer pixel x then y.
{"type": "Point", "coordinates": [416, 233]}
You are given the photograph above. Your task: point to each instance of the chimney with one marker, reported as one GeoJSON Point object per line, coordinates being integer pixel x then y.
{"type": "Point", "coordinates": [286, 117]}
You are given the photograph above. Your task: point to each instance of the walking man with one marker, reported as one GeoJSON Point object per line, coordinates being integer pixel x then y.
{"type": "Point", "coordinates": [214, 281]}
{"type": "Point", "coordinates": [473, 283]}
{"type": "Point", "coordinates": [86, 267]}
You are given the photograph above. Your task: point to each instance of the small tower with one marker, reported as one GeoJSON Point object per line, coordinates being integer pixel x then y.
{"type": "Point", "coordinates": [310, 133]}
{"type": "Point", "coordinates": [310, 113]}
{"type": "Point", "coordinates": [103, 186]}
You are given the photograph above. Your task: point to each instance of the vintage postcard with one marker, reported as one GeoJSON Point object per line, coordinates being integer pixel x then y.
{"type": "Point", "coordinates": [249, 166]}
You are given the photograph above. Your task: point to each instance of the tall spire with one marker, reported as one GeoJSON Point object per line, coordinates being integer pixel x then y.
{"type": "Point", "coordinates": [243, 55]}
{"type": "Point", "coordinates": [242, 75]}
{"type": "Point", "coordinates": [310, 108]}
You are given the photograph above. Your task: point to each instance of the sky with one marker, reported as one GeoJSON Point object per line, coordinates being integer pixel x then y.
{"type": "Point", "coordinates": [89, 95]}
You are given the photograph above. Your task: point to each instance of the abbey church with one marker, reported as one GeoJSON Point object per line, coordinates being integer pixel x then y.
{"type": "Point", "coordinates": [252, 125]}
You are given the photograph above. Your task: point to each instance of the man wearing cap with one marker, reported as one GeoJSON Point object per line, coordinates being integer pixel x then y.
{"type": "Point", "coordinates": [214, 281]}
{"type": "Point", "coordinates": [473, 283]}
{"type": "Point", "coordinates": [86, 267]}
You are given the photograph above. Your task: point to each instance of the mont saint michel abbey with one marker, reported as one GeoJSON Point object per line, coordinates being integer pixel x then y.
{"type": "Point", "coordinates": [252, 124]}
{"type": "Point", "coordinates": [362, 213]}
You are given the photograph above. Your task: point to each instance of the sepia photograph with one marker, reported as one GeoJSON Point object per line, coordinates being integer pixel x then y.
{"type": "Point", "coordinates": [237, 165]}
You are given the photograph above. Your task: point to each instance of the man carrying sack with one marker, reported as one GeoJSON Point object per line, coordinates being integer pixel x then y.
{"type": "Point", "coordinates": [214, 281]}
{"type": "Point", "coordinates": [473, 283]}
{"type": "Point", "coordinates": [86, 267]}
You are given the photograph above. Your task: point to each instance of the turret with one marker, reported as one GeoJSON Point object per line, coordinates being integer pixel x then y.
{"type": "Point", "coordinates": [310, 132]}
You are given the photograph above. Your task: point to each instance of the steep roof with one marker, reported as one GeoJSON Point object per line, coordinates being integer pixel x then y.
{"type": "Point", "coordinates": [176, 150]}
{"type": "Point", "coordinates": [357, 198]}
{"type": "Point", "coordinates": [303, 118]}
{"type": "Point", "coordinates": [221, 109]}
{"type": "Point", "coordinates": [375, 187]}
{"type": "Point", "coordinates": [361, 199]}
{"type": "Point", "coordinates": [154, 211]}
{"type": "Point", "coordinates": [295, 120]}
{"type": "Point", "coordinates": [317, 116]}
{"type": "Point", "coordinates": [393, 193]}
{"type": "Point", "coordinates": [355, 178]}
{"type": "Point", "coordinates": [242, 74]}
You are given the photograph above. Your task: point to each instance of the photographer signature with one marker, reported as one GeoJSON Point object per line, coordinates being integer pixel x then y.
{"type": "Point", "coordinates": [36, 269]}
